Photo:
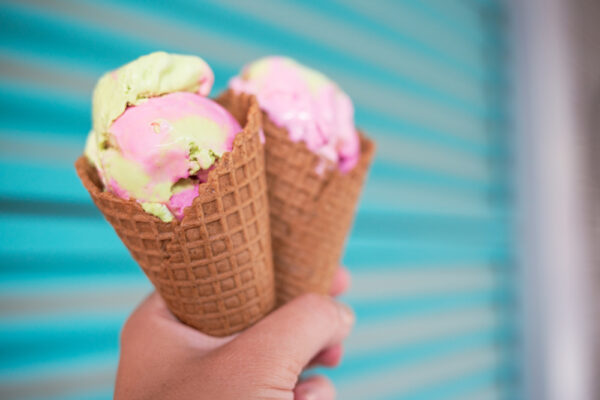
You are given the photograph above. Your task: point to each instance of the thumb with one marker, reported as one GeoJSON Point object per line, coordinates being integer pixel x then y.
{"type": "Point", "coordinates": [293, 334]}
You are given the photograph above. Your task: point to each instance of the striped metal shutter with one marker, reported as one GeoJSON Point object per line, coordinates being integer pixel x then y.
{"type": "Point", "coordinates": [430, 253]}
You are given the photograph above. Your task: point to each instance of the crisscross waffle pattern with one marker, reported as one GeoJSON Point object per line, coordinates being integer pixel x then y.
{"type": "Point", "coordinates": [311, 212]}
{"type": "Point", "coordinates": [214, 267]}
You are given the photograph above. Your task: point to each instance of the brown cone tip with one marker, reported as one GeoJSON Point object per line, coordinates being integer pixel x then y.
{"type": "Point", "coordinates": [213, 268]}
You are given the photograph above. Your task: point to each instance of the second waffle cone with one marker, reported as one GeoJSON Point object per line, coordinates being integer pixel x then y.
{"type": "Point", "coordinates": [312, 206]}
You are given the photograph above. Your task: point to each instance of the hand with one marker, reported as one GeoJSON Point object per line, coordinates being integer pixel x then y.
{"type": "Point", "coordinates": [161, 358]}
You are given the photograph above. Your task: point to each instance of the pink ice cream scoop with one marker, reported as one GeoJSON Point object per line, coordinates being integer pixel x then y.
{"type": "Point", "coordinates": [173, 140]}
{"type": "Point", "coordinates": [310, 106]}
{"type": "Point", "coordinates": [159, 150]}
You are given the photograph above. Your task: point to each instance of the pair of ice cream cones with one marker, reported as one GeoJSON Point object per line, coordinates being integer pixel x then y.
{"type": "Point", "coordinates": [269, 224]}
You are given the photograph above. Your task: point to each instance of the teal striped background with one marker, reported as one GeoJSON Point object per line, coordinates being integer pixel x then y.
{"type": "Point", "coordinates": [431, 252]}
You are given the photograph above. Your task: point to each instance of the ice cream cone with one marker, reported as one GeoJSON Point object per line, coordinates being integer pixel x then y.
{"type": "Point", "coordinates": [312, 205]}
{"type": "Point", "coordinates": [213, 268]}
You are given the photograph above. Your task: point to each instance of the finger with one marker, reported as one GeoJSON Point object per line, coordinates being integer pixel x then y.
{"type": "Point", "coordinates": [151, 309]}
{"type": "Point", "coordinates": [152, 317]}
{"type": "Point", "coordinates": [154, 305]}
{"type": "Point", "coordinates": [296, 332]}
{"type": "Point", "coordinates": [330, 357]}
{"type": "Point", "coordinates": [315, 388]}
{"type": "Point", "coordinates": [341, 281]}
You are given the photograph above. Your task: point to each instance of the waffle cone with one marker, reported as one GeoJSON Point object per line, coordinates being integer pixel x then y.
{"type": "Point", "coordinates": [311, 212]}
{"type": "Point", "coordinates": [213, 268]}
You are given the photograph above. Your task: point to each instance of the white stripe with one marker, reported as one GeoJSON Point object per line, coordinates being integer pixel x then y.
{"type": "Point", "coordinates": [55, 379]}
{"type": "Point", "coordinates": [88, 364]}
{"type": "Point", "coordinates": [488, 393]}
{"type": "Point", "coordinates": [75, 81]}
{"type": "Point", "coordinates": [63, 301]}
{"type": "Point", "coordinates": [393, 333]}
{"type": "Point", "coordinates": [403, 380]}
{"type": "Point", "coordinates": [409, 282]}
{"type": "Point", "coordinates": [399, 149]}
{"type": "Point", "coordinates": [461, 15]}
{"type": "Point", "coordinates": [419, 198]}
{"type": "Point", "coordinates": [44, 149]}
{"type": "Point", "coordinates": [410, 22]}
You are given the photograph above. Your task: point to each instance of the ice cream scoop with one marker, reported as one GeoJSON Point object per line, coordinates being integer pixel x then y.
{"type": "Point", "coordinates": [309, 105]}
{"type": "Point", "coordinates": [155, 136]}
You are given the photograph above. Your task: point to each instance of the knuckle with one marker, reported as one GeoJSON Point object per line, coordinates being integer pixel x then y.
{"type": "Point", "coordinates": [311, 300]}
{"type": "Point", "coordinates": [125, 331]}
{"type": "Point", "coordinates": [129, 328]}
{"type": "Point", "coordinates": [321, 305]}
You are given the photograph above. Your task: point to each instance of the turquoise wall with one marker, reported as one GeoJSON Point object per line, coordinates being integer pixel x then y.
{"type": "Point", "coordinates": [430, 253]}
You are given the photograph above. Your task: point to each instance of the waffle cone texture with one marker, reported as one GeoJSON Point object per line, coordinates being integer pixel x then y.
{"type": "Point", "coordinates": [213, 268]}
{"type": "Point", "coordinates": [311, 213]}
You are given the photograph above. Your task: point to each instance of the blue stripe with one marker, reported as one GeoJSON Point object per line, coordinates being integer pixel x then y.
{"type": "Point", "coordinates": [49, 285]}
{"type": "Point", "coordinates": [104, 393]}
{"type": "Point", "coordinates": [88, 364]}
{"type": "Point", "coordinates": [15, 267]}
{"type": "Point", "coordinates": [363, 254]}
{"type": "Point", "coordinates": [447, 14]}
{"type": "Point", "coordinates": [59, 340]}
{"type": "Point", "coordinates": [27, 180]}
{"type": "Point", "coordinates": [42, 112]}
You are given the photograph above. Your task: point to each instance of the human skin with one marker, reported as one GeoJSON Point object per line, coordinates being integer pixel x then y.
{"type": "Point", "coordinates": [161, 358]}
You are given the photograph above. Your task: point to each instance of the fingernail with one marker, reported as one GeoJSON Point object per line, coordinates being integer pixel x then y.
{"type": "Point", "coordinates": [347, 314]}
{"type": "Point", "coordinates": [314, 388]}
{"type": "Point", "coordinates": [307, 393]}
